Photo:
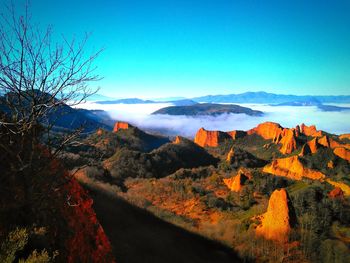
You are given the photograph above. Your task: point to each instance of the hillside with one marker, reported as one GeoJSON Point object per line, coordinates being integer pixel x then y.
{"type": "Point", "coordinates": [270, 193]}
{"type": "Point", "coordinates": [207, 109]}
{"type": "Point", "coordinates": [64, 117]}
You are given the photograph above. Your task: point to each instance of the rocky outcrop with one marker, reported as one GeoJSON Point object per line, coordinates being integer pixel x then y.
{"type": "Point", "coordinates": [342, 153]}
{"type": "Point", "coordinates": [267, 130]}
{"type": "Point", "coordinates": [279, 135]}
{"type": "Point", "coordinates": [310, 130]}
{"type": "Point", "coordinates": [120, 126]}
{"type": "Point", "coordinates": [330, 164]}
{"type": "Point", "coordinates": [236, 183]}
{"type": "Point", "coordinates": [288, 141]}
{"type": "Point", "coordinates": [305, 150]}
{"type": "Point", "coordinates": [344, 136]}
{"type": "Point", "coordinates": [236, 134]}
{"type": "Point", "coordinates": [293, 168]}
{"type": "Point", "coordinates": [328, 142]}
{"type": "Point", "coordinates": [206, 138]}
{"type": "Point", "coordinates": [313, 144]}
{"type": "Point", "coordinates": [178, 140]}
{"type": "Point", "coordinates": [337, 192]}
{"type": "Point", "coordinates": [276, 223]}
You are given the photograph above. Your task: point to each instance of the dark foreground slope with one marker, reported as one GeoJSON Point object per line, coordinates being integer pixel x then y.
{"type": "Point", "coordinates": [138, 236]}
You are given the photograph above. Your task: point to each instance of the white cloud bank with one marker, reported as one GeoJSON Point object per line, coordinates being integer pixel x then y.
{"type": "Point", "coordinates": [288, 116]}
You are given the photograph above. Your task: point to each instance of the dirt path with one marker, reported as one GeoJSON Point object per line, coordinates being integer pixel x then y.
{"type": "Point", "coordinates": [139, 237]}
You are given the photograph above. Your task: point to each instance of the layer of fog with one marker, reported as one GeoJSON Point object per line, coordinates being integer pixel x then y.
{"type": "Point", "coordinates": [288, 116]}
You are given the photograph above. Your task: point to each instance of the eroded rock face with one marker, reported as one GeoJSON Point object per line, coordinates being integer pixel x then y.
{"type": "Point", "coordinates": [292, 167]}
{"type": "Point", "coordinates": [313, 144]}
{"type": "Point", "coordinates": [342, 153]}
{"type": "Point", "coordinates": [276, 222]}
{"type": "Point", "coordinates": [310, 130]}
{"type": "Point", "coordinates": [288, 141]}
{"type": "Point", "coordinates": [267, 130]}
{"type": "Point", "coordinates": [206, 138]}
{"type": "Point", "coordinates": [328, 142]}
{"type": "Point", "coordinates": [236, 183]}
{"type": "Point", "coordinates": [120, 126]}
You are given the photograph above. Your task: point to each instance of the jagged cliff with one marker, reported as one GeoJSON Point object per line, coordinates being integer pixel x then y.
{"type": "Point", "coordinates": [310, 130]}
{"type": "Point", "coordinates": [206, 138]}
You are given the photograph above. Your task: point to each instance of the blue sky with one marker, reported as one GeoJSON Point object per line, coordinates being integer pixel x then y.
{"type": "Point", "coordinates": [192, 48]}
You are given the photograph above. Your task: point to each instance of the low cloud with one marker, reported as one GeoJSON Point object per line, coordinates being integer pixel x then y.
{"type": "Point", "coordinates": [140, 116]}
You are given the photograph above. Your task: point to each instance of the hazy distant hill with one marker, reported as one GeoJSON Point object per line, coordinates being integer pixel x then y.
{"type": "Point", "coordinates": [264, 97]}
{"type": "Point", "coordinates": [183, 102]}
{"type": "Point", "coordinates": [207, 109]}
{"type": "Point", "coordinates": [67, 118]}
{"type": "Point", "coordinates": [319, 105]}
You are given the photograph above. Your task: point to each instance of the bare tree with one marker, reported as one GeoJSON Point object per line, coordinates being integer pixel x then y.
{"type": "Point", "coordinates": [38, 78]}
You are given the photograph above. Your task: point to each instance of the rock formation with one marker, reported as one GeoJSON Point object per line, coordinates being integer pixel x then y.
{"type": "Point", "coordinates": [177, 140]}
{"type": "Point", "coordinates": [293, 168]}
{"type": "Point", "coordinates": [120, 126]}
{"type": "Point", "coordinates": [267, 130]}
{"type": "Point", "coordinates": [279, 135]}
{"type": "Point", "coordinates": [313, 144]}
{"type": "Point", "coordinates": [337, 192]}
{"type": "Point", "coordinates": [288, 141]}
{"type": "Point", "coordinates": [342, 153]}
{"type": "Point", "coordinates": [210, 138]}
{"type": "Point", "coordinates": [305, 150]}
{"type": "Point", "coordinates": [310, 130]}
{"type": "Point", "coordinates": [344, 136]}
{"type": "Point", "coordinates": [330, 164]}
{"type": "Point", "coordinates": [276, 222]}
{"type": "Point", "coordinates": [236, 183]}
{"type": "Point", "coordinates": [328, 142]}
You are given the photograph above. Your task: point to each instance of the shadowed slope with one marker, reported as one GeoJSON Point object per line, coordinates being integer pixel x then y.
{"type": "Point", "coordinates": [137, 236]}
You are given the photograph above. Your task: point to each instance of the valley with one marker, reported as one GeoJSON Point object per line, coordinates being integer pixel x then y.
{"type": "Point", "coordinates": [261, 192]}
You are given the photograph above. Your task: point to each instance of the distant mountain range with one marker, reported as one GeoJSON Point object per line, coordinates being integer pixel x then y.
{"type": "Point", "coordinates": [313, 102]}
{"type": "Point", "coordinates": [183, 102]}
{"type": "Point", "coordinates": [247, 97]}
{"type": "Point", "coordinates": [264, 97]}
{"type": "Point", "coordinates": [207, 109]}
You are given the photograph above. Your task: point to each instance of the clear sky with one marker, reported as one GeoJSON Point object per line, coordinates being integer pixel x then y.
{"type": "Point", "coordinates": [159, 48]}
